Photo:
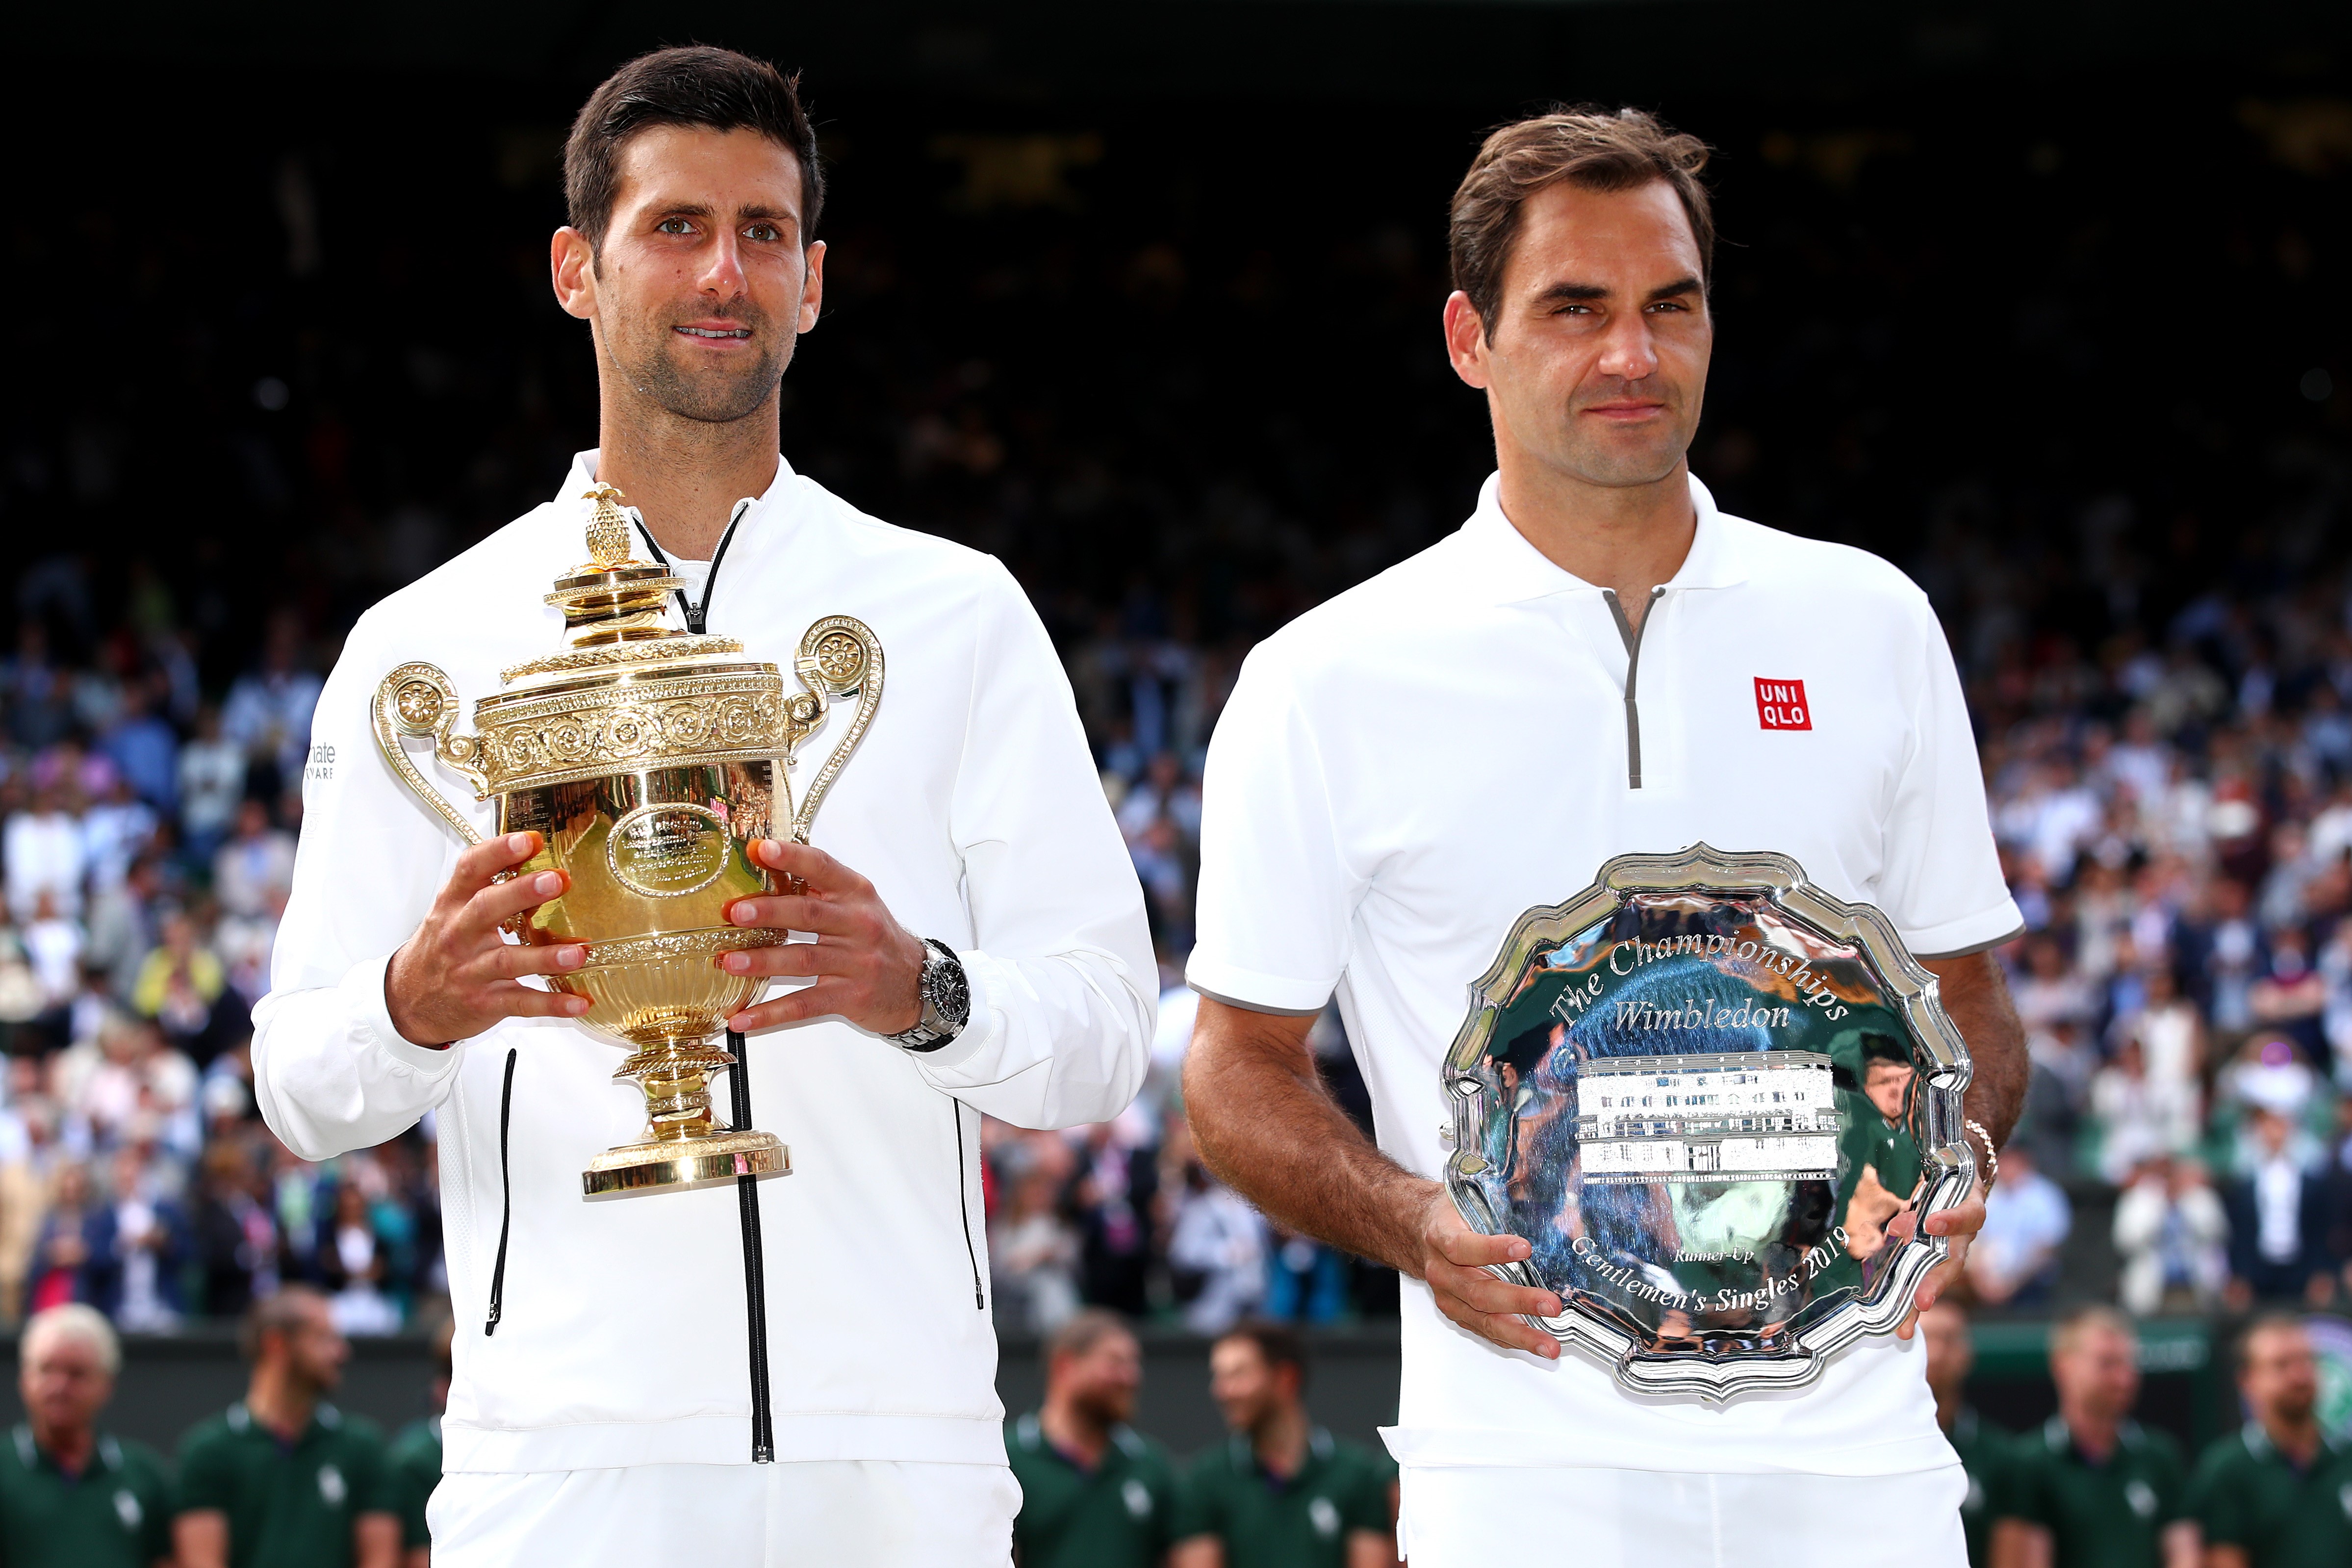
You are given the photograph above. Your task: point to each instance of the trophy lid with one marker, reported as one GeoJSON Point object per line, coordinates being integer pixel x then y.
{"type": "Point", "coordinates": [615, 608]}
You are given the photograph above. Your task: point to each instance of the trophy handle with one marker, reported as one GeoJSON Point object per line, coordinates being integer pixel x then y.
{"type": "Point", "coordinates": [418, 699]}
{"type": "Point", "coordinates": [839, 654]}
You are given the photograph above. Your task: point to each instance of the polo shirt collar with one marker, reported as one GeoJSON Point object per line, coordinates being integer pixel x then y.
{"type": "Point", "coordinates": [107, 1452]}
{"type": "Point", "coordinates": [583, 479]}
{"type": "Point", "coordinates": [1502, 562]}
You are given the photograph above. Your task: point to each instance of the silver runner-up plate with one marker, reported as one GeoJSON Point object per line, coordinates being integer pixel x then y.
{"type": "Point", "coordinates": [1717, 1103]}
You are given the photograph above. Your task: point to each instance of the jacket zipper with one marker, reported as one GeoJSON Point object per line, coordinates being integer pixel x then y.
{"type": "Point", "coordinates": [739, 1086]}
{"type": "Point", "coordinates": [1632, 635]}
{"type": "Point", "coordinates": [506, 1204]}
{"type": "Point", "coordinates": [963, 1208]}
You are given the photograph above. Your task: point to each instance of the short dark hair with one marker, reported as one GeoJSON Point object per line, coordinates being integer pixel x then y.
{"type": "Point", "coordinates": [2269, 1321]}
{"type": "Point", "coordinates": [280, 1313]}
{"type": "Point", "coordinates": [1587, 147]}
{"type": "Point", "coordinates": [717, 89]}
{"type": "Point", "coordinates": [1278, 1344]}
{"type": "Point", "coordinates": [1083, 1330]}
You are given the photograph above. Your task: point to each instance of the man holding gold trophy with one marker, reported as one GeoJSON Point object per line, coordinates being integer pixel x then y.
{"type": "Point", "coordinates": [613, 867]}
{"type": "Point", "coordinates": [1693, 809]}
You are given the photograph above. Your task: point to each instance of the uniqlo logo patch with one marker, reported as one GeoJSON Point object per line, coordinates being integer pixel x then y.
{"type": "Point", "coordinates": [1781, 705]}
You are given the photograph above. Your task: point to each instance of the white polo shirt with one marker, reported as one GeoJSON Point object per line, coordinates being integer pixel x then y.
{"type": "Point", "coordinates": [1405, 770]}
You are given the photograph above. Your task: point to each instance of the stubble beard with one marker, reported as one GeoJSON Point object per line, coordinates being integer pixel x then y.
{"type": "Point", "coordinates": [713, 397]}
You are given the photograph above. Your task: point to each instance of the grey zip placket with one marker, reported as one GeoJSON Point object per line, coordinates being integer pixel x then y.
{"type": "Point", "coordinates": [1632, 637]}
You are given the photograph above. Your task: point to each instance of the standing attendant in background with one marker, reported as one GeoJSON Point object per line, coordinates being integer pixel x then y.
{"type": "Point", "coordinates": [1280, 1492]}
{"type": "Point", "coordinates": [71, 1495]}
{"type": "Point", "coordinates": [2275, 1493]}
{"type": "Point", "coordinates": [2093, 1488]}
{"type": "Point", "coordinates": [416, 1458]}
{"type": "Point", "coordinates": [1984, 1448]}
{"type": "Point", "coordinates": [284, 1479]}
{"type": "Point", "coordinates": [1095, 1492]}
{"type": "Point", "coordinates": [1599, 639]}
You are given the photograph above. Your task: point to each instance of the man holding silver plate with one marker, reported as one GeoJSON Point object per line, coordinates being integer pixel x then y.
{"type": "Point", "coordinates": [691, 1333]}
{"type": "Point", "coordinates": [1692, 810]}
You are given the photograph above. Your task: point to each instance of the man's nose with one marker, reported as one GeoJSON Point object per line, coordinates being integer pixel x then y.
{"type": "Point", "coordinates": [1630, 353]}
{"type": "Point", "coordinates": [723, 276]}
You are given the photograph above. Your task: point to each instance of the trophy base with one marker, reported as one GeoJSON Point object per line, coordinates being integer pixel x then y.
{"type": "Point", "coordinates": [679, 1164]}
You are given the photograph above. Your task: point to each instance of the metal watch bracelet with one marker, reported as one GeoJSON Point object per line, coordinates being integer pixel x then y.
{"type": "Point", "coordinates": [946, 996]}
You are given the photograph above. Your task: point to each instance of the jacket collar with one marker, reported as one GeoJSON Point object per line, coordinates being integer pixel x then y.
{"type": "Point", "coordinates": [1502, 563]}
{"type": "Point", "coordinates": [573, 506]}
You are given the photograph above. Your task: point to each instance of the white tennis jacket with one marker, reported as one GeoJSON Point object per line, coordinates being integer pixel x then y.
{"type": "Point", "coordinates": [974, 808]}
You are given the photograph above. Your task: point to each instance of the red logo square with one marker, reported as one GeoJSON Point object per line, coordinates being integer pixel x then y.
{"type": "Point", "coordinates": [1781, 705]}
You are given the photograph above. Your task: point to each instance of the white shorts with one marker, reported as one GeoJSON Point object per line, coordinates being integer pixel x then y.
{"type": "Point", "coordinates": [873, 1513]}
{"type": "Point", "coordinates": [1454, 1517]}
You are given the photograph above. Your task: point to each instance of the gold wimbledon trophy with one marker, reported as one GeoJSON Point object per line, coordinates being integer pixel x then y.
{"type": "Point", "coordinates": [647, 759]}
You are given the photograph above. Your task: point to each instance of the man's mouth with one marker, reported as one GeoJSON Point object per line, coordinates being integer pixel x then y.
{"type": "Point", "coordinates": [715, 334]}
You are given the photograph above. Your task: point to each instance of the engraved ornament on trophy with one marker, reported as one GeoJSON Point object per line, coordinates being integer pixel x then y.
{"type": "Point", "coordinates": [1719, 1104]}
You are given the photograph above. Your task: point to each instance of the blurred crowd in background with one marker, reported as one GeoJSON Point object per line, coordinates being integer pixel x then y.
{"type": "Point", "coordinates": [1053, 346]}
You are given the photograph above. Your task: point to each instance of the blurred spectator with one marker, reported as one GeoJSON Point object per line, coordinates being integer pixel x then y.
{"type": "Point", "coordinates": [211, 784]}
{"type": "Point", "coordinates": [268, 709]}
{"type": "Point", "coordinates": [150, 1243]}
{"type": "Point", "coordinates": [1280, 1492]}
{"type": "Point", "coordinates": [283, 1439]}
{"type": "Point", "coordinates": [44, 853]}
{"type": "Point", "coordinates": [72, 1496]}
{"type": "Point", "coordinates": [1216, 1252]}
{"type": "Point", "coordinates": [2278, 1222]}
{"type": "Point", "coordinates": [1984, 1448]}
{"type": "Point", "coordinates": [2275, 1493]}
{"type": "Point", "coordinates": [355, 1266]}
{"type": "Point", "coordinates": [27, 1158]}
{"type": "Point", "coordinates": [1114, 1196]}
{"type": "Point", "coordinates": [144, 750]}
{"type": "Point", "coordinates": [235, 1238]}
{"type": "Point", "coordinates": [180, 986]}
{"type": "Point", "coordinates": [2015, 1260]}
{"type": "Point", "coordinates": [1033, 1249]}
{"type": "Point", "coordinates": [2094, 1486]}
{"type": "Point", "coordinates": [2140, 1117]}
{"type": "Point", "coordinates": [1307, 1282]}
{"type": "Point", "coordinates": [254, 871]}
{"type": "Point", "coordinates": [2172, 1237]}
{"type": "Point", "coordinates": [74, 1258]}
{"type": "Point", "coordinates": [1095, 1492]}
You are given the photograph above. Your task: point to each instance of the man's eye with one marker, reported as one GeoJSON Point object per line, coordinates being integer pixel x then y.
{"type": "Point", "coordinates": [674, 225]}
{"type": "Point", "coordinates": [763, 232]}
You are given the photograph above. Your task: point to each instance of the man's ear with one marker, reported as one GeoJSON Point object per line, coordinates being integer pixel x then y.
{"type": "Point", "coordinates": [572, 267]}
{"type": "Point", "coordinates": [813, 290]}
{"type": "Point", "coordinates": [1465, 339]}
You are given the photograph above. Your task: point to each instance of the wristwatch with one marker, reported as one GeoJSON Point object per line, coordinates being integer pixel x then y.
{"type": "Point", "coordinates": [947, 1000]}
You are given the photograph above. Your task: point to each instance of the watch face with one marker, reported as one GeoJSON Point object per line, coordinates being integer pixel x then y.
{"type": "Point", "coordinates": [950, 993]}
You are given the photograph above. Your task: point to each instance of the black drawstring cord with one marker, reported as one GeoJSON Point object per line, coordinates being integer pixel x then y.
{"type": "Point", "coordinates": [963, 1208]}
{"type": "Point", "coordinates": [755, 1269]}
{"type": "Point", "coordinates": [506, 1204]}
{"type": "Point", "coordinates": [693, 614]}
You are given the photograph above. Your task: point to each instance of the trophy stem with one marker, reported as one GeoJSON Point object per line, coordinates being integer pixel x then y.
{"type": "Point", "coordinates": [682, 1146]}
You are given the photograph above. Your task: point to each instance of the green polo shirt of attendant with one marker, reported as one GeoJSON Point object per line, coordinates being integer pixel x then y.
{"type": "Point", "coordinates": [2249, 1495]}
{"type": "Point", "coordinates": [2110, 1515]}
{"type": "Point", "coordinates": [1121, 1514]}
{"type": "Point", "coordinates": [1984, 1451]}
{"type": "Point", "coordinates": [415, 1462]}
{"type": "Point", "coordinates": [1263, 1522]}
{"type": "Point", "coordinates": [116, 1514]}
{"type": "Point", "coordinates": [290, 1505]}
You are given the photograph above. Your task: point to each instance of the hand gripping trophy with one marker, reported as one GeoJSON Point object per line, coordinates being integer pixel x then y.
{"type": "Point", "coordinates": [647, 759]}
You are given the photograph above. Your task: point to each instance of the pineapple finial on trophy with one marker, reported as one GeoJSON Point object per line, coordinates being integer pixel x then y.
{"type": "Point", "coordinates": [608, 530]}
